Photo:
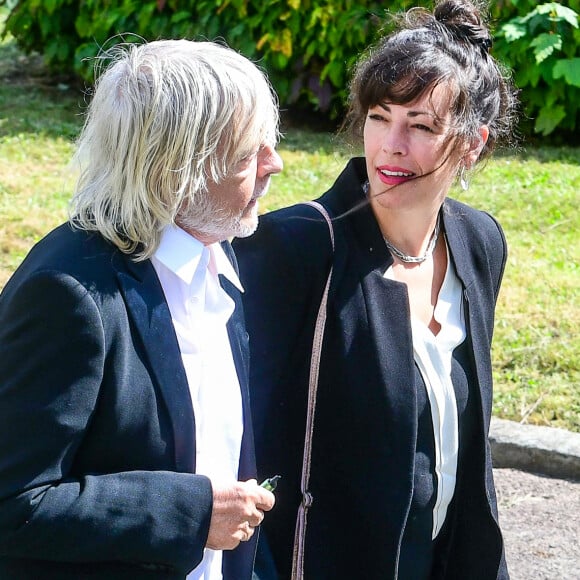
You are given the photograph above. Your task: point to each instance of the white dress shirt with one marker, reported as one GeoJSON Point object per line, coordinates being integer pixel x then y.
{"type": "Point", "coordinates": [200, 308]}
{"type": "Point", "coordinates": [433, 355]}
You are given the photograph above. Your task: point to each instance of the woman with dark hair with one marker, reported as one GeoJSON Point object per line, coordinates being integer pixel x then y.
{"type": "Point", "coordinates": [401, 474]}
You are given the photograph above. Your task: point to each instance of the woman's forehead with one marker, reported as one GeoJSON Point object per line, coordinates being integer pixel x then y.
{"type": "Point", "coordinates": [435, 101]}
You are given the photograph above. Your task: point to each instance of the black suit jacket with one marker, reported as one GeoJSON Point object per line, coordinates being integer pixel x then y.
{"type": "Point", "coordinates": [366, 416]}
{"type": "Point", "coordinates": [97, 433]}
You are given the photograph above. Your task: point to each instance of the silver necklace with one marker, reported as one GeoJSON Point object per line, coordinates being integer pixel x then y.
{"type": "Point", "coordinates": [416, 259]}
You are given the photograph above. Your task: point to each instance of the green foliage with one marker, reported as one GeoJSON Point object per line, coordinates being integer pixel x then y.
{"type": "Point", "coordinates": [542, 46]}
{"type": "Point", "coordinates": [309, 47]}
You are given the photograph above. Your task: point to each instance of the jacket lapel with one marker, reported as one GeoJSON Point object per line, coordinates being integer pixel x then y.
{"type": "Point", "coordinates": [478, 307]}
{"type": "Point", "coordinates": [387, 309]}
{"type": "Point", "coordinates": [149, 311]}
{"type": "Point", "coordinates": [239, 343]}
{"type": "Point", "coordinates": [243, 557]}
{"type": "Point", "coordinates": [361, 259]}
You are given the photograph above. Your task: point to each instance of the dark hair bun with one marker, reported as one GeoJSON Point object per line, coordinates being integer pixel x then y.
{"type": "Point", "coordinates": [428, 48]}
{"type": "Point", "coordinates": [464, 21]}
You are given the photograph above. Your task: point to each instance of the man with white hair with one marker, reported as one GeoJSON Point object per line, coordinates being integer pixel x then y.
{"type": "Point", "coordinates": [126, 446]}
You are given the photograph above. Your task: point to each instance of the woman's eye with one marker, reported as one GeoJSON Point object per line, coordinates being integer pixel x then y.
{"type": "Point", "coordinates": [423, 127]}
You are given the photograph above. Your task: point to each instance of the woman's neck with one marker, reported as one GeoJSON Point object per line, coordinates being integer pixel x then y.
{"type": "Point", "coordinates": [410, 232]}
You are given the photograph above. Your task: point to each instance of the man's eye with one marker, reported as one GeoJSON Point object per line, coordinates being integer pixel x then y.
{"type": "Point", "coordinates": [248, 157]}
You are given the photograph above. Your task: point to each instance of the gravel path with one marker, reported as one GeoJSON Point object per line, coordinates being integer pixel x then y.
{"type": "Point", "coordinates": [540, 520]}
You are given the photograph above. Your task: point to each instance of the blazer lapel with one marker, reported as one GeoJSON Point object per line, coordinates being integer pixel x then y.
{"type": "Point", "coordinates": [149, 311]}
{"type": "Point", "coordinates": [360, 260]}
{"type": "Point", "coordinates": [239, 344]}
{"type": "Point", "coordinates": [386, 306]}
{"type": "Point", "coordinates": [458, 245]}
{"type": "Point", "coordinates": [390, 338]}
{"type": "Point", "coordinates": [477, 306]}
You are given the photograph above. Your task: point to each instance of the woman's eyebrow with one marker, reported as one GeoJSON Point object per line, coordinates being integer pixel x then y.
{"type": "Point", "coordinates": [417, 113]}
{"type": "Point", "coordinates": [420, 113]}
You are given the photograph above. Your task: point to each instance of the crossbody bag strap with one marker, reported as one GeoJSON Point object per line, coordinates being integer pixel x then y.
{"type": "Point", "coordinates": [300, 532]}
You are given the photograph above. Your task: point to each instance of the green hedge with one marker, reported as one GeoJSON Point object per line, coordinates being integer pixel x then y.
{"type": "Point", "coordinates": [308, 47]}
{"type": "Point", "coordinates": [541, 43]}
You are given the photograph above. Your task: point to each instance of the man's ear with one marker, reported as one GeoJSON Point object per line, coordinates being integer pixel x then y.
{"type": "Point", "coordinates": [476, 146]}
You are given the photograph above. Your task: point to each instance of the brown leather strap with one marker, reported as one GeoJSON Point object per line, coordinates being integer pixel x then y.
{"type": "Point", "coordinates": [300, 532]}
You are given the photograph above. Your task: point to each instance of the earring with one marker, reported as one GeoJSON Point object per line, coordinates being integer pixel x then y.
{"type": "Point", "coordinates": [463, 181]}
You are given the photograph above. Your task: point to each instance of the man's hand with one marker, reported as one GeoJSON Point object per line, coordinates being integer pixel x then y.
{"type": "Point", "coordinates": [237, 510]}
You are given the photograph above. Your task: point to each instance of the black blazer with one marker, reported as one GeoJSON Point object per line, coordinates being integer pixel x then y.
{"type": "Point", "coordinates": [366, 416]}
{"type": "Point", "coordinates": [97, 433]}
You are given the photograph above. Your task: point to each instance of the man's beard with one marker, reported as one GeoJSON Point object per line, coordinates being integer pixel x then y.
{"type": "Point", "coordinates": [208, 220]}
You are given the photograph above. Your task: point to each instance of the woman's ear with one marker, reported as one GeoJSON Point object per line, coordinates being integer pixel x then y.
{"type": "Point", "coordinates": [475, 147]}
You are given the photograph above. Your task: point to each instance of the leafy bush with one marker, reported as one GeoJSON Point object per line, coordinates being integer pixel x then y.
{"type": "Point", "coordinates": [308, 47]}
{"type": "Point", "coordinates": [543, 48]}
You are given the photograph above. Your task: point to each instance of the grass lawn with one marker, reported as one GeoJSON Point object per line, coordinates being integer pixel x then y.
{"type": "Point", "coordinates": [534, 193]}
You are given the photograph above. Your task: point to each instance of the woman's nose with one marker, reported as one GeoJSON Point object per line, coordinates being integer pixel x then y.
{"type": "Point", "coordinates": [394, 142]}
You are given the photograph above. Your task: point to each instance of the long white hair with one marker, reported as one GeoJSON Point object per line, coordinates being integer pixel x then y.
{"type": "Point", "coordinates": [165, 117]}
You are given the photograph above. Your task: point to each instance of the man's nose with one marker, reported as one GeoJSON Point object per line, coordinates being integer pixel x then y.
{"type": "Point", "coordinates": [270, 160]}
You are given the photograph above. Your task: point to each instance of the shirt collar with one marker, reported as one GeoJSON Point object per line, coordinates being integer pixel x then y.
{"type": "Point", "coordinates": [181, 253]}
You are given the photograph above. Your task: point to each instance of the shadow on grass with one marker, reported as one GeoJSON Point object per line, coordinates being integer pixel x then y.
{"type": "Point", "coordinates": [544, 154]}
{"type": "Point", "coordinates": [561, 154]}
{"type": "Point", "coordinates": [32, 100]}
